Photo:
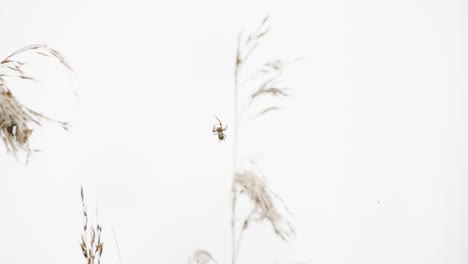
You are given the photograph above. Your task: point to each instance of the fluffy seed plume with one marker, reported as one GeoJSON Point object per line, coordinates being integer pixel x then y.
{"type": "Point", "coordinates": [201, 257]}
{"type": "Point", "coordinates": [267, 79]}
{"type": "Point", "coordinates": [15, 118]}
{"type": "Point", "coordinates": [267, 204]}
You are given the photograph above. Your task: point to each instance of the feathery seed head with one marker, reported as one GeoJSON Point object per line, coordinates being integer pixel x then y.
{"type": "Point", "coordinates": [201, 257]}
{"type": "Point", "coordinates": [15, 118]}
{"type": "Point", "coordinates": [268, 205]}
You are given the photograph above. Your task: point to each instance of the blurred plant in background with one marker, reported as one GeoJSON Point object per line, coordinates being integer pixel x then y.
{"type": "Point", "coordinates": [16, 118]}
{"type": "Point", "coordinates": [248, 180]}
{"type": "Point", "coordinates": [201, 257]}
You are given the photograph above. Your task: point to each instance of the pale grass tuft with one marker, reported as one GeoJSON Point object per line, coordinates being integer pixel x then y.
{"type": "Point", "coordinates": [267, 204]}
{"type": "Point", "coordinates": [201, 257]}
{"type": "Point", "coordinates": [15, 118]}
{"type": "Point", "coordinates": [91, 244]}
{"type": "Point", "coordinates": [266, 83]}
{"type": "Point", "coordinates": [267, 79]}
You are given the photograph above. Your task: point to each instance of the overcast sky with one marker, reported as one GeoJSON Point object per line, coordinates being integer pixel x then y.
{"type": "Point", "coordinates": [369, 152]}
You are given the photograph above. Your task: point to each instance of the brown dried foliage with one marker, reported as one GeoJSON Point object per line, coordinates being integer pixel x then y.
{"type": "Point", "coordinates": [268, 77]}
{"type": "Point", "coordinates": [266, 83]}
{"type": "Point", "coordinates": [91, 244]}
{"type": "Point", "coordinates": [16, 118]}
{"type": "Point", "coordinates": [267, 204]}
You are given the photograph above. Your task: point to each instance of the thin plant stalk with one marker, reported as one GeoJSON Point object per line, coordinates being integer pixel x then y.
{"type": "Point", "coordinates": [242, 231]}
{"type": "Point", "coordinates": [117, 245]}
{"type": "Point", "coordinates": [235, 143]}
{"type": "Point", "coordinates": [254, 184]}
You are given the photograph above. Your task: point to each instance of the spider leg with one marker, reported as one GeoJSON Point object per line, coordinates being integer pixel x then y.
{"type": "Point", "coordinates": [219, 121]}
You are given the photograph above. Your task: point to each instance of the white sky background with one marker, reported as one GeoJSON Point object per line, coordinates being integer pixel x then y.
{"type": "Point", "coordinates": [377, 114]}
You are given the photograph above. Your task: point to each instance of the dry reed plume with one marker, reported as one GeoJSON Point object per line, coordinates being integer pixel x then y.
{"type": "Point", "coordinates": [91, 245]}
{"type": "Point", "coordinates": [16, 118]}
{"type": "Point", "coordinates": [266, 83]}
{"type": "Point", "coordinates": [201, 257]}
{"type": "Point", "coordinates": [267, 205]}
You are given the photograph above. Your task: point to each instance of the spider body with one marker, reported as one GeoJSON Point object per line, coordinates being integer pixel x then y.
{"type": "Point", "coordinates": [219, 130]}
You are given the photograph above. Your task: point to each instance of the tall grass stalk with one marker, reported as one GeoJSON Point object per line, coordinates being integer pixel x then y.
{"type": "Point", "coordinates": [250, 181]}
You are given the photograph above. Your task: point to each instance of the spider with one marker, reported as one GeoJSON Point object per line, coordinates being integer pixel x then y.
{"type": "Point", "coordinates": [219, 130]}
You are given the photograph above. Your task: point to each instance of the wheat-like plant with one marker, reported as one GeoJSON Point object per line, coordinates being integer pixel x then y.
{"type": "Point", "coordinates": [16, 118]}
{"type": "Point", "coordinates": [266, 83]}
{"type": "Point", "coordinates": [267, 205]}
{"type": "Point", "coordinates": [91, 244]}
